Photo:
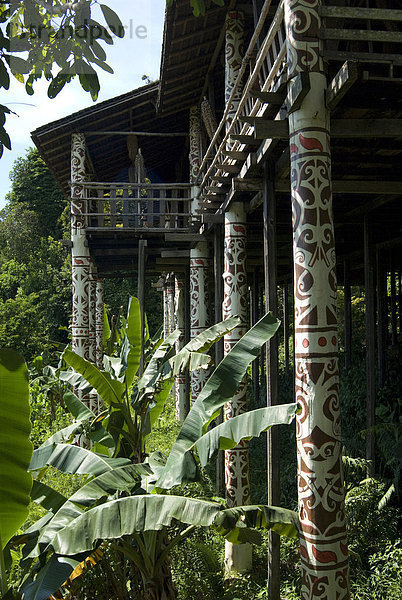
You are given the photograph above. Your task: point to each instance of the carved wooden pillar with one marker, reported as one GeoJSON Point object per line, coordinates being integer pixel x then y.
{"type": "Point", "coordinates": [92, 313]}
{"type": "Point", "coordinates": [170, 303]}
{"type": "Point", "coordinates": [234, 51]}
{"type": "Point", "coordinates": [323, 547]}
{"type": "Point", "coordinates": [165, 311]}
{"type": "Point", "coordinates": [180, 381]}
{"type": "Point", "coordinates": [80, 253]}
{"type": "Point", "coordinates": [199, 306]}
{"type": "Point", "coordinates": [99, 318]}
{"type": "Point", "coordinates": [195, 157]}
{"type": "Point", "coordinates": [237, 558]}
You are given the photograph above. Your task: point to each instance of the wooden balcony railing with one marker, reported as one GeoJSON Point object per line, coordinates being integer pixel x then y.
{"type": "Point", "coordinates": [263, 90]}
{"type": "Point", "coordinates": [157, 206]}
{"type": "Point", "coordinates": [367, 35]}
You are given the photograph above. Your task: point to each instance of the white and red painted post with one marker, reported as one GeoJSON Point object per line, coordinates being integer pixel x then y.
{"type": "Point", "coordinates": [237, 478]}
{"type": "Point", "coordinates": [180, 380]}
{"type": "Point", "coordinates": [199, 307]}
{"type": "Point", "coordinates": [323, 547]}
{"type": "Point", "coordinates": [81, 260]}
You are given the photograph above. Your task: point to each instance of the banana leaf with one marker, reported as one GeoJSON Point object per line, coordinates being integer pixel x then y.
{"type": "Point", "coordinates": [190, 356]}
{"type": "Point", "coordinates": [78, 409]}
{"type": "Point", "coordinates": [46, 496]}
{"type": "Point", "coordinates": [243, 427]}
{"type": "Point", "coordinates": [73, 459]}
{"type": "Point", "coordinates": [281, 520]}
{"type": "Point", "coordinates": [15, 447]}
{"type": "Point", "coordinates": [125, 479]}
{"type": "Point", "coordinates": [110, 390]}
{"type": "Point", "coordinates": [126, 516]}
{"type": "Point", "coordinates": [131, 349]}
{"type": "Point", "coordinates": [219, 389]}
{"type": "Point", "coordinates": [51, 577]}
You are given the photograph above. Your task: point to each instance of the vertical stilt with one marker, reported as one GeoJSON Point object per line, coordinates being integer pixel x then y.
{"type": "Point", "coordinates": [382, 321]}
{"type": "Point", "coordinates": [255, 365]}
{"type": "Point", "coordinates": [93, 396]}
{"type": "Point", "coordinates": [165, 310]}
{"type": "Point", "coordinates": [100, 314]}
{"type": "Point", "coordinates": [393, 308]}
{"type": "Point", "coordinates": [369, 292]}
{"type": "Point", "coordinates": [180, 381]}
{"type": "Point", "coordinates": [81, 261]}
{"type": "Point", "coordinates": [218, 298]}
{"type": "Point", "coordinates": [286, 325]}
{"type": "Point", "coordinates": [199, 309]}
{"type": "Point", "coordinates": [272, 374]}
{"type": "Point", "coordinates": [187, 335]}
{"type": "Point", "coordinates": [237, 558]}
{"type": "Point", "coordinates": [141, 298]}
{"type": "Point", "coordinates": [92, 314]}
{"type": "Point", "coordinates": [347, 299]}
{"type": "Point", "coordinates": [170, 303]}
{"type": "Point", "coordinates": [323, 546]}
{"type": "Point", "coordinates": [234, 51]}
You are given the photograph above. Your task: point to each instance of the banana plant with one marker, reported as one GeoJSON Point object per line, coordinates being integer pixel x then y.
{"type": "Point", "coordinates": [15, 450]}
{"type": "Point", "coordinates": [125, 503]}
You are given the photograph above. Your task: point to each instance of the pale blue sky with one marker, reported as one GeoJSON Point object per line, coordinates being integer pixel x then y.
{"type": "Point", "coordinates": [130, 57]}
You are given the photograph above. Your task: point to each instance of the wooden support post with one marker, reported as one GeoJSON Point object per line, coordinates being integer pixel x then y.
{"type": "Point", "coordinates": [141, 298]}
{"type": "Point", "coordinates": [323, 544]}
{"type": "Point", "coordinates": [218, 298]}
{"type": "Point", "coordinates": [261, 301]}
{"type": "Point", "coordinates": [255, 365]}
{"type": "Point", "coordinates": [272, 375]}
{"type": "Point", "coordinates": [237, 476]}
{"type": "Point", "coordinates": [92, 313]}
{"type": "Point", "coordinates": [347, 300]}
{"type": "Point", "coordinates": [170, 302]}
{"type": "Point", "coordinates": [187, 335]}
{"type": "Point", "coordinates": [93, 396]}
{"type": "Point", "coordinates": [199, 311]}
{"type": "Point", "coordinates": [382, 320]}
{"type": "Point", "coordinates": [81, 261]}
{"type": "Point", "coordinates": [286, 325]}
{"type": "Point", "coordinates": [99, 318]}
{"type": "Point", "coordinates": [393, 308]}
{"type": "Point", "coordinates": [399, 279]}
{"type": "Point", "coordinates": [180, 381]}
{"type": "Point", "coordinates": [369, 292]}
{"type": "Point", "coordinates": [234, 49]}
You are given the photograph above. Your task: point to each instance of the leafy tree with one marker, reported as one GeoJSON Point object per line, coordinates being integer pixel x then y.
{"type": "Point", "coordinates": [115, 506]}
{"type": "Point", "coordinates": [35, 279]}
{"type": "Point", "coordinates": [59, 41]}
{"type": "Point", "coordinates": [34, 188]}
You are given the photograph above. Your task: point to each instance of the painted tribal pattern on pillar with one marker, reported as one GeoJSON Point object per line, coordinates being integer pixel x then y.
{"type": "Point", "coordinates": [195, 142]}
{"type": "Point", "coordinates": [320, 485]}
{"type": "Point", "coordinates": [180, 380]}
{"type": "Point", "coordinates": [81, 261]}
{"type": "Point", "coordinates": [234, 52]}
{"type": "Point", "coordinates": [99, 319]}
{"type": "Point", "coordinates": [92, 314]}
{"type": "Point", "coordinates": [199, 308]}
{"type": "Point", "coordinates": [170, 304]}
{"type": "Point", "coordinates": [235, 304]}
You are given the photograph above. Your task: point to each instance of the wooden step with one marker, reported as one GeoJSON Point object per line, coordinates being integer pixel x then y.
{"type": "Point", "coordinates": [275, 98]}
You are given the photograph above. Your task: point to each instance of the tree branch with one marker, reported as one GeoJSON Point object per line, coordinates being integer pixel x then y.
{"type": "Point", "coordinates": [59, 9]}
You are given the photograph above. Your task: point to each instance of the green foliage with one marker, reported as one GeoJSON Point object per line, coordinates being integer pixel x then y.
{"type": "Point", "coordinates": [60, 41]}
{"type": "Point", "coordinates": [15, 447]}
{"type": "Point", "coordinates": [34, 188]}
{"type": "Point", "coordinates": [35, 280]}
